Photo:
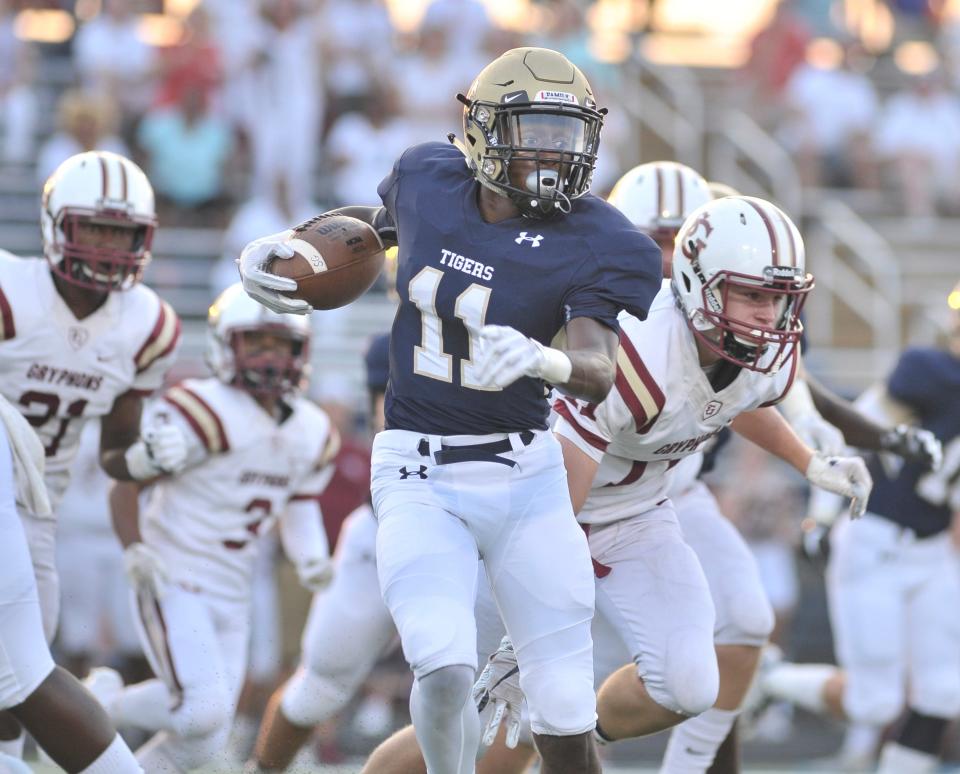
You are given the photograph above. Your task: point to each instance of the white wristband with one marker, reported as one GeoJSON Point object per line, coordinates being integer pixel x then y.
{"type": "Point", "coordinates": [139, 465]}
{"type": "Point", "coordinates": [557, 367]}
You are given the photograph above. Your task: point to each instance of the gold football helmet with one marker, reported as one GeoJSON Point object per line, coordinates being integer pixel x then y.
{"type": "Point", "coordinates": [533, 108]}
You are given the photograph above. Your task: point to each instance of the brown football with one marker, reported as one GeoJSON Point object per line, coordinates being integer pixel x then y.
{"type": "Point", "coordinates": [338, 259]}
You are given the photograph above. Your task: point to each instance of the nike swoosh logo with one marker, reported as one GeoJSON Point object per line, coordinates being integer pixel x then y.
{"type": "Point", "coordinates": [512, 97]}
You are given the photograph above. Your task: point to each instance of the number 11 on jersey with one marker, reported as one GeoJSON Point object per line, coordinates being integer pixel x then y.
{"type": "Point", "coordinates": [429, 359]}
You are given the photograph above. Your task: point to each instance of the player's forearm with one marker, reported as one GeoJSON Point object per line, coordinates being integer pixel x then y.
{"type": "Point", "coordinates": [858, 430]}
{"type": "Point", "coordinates": [770, 431]}
{"type": "Point", "coordinates": [114, 464]}
{"type": "Point", "coordinates": [592, 352]}
{"type": "Point", "coordinates": [302, 533]}
{"type": "Point", "coordinates": [125, 512]}
{"type": "Point", "coordinates": [591, 376]}
{"type": "Point", "coordinates": [375, 216]}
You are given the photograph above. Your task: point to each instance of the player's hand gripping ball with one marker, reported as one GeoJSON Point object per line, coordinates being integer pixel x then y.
{"type": "Point", "coordinates": [335, 260]}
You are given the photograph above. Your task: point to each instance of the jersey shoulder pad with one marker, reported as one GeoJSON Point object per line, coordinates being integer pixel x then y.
{"type": "Point", "coordinates": [640, 372]}
{"type": "Point", "coordinates": [154, 325]}
{"type": "Point", "coordinates": [313, 423]}
{"type": "Point", "coordinates": [201, 404]}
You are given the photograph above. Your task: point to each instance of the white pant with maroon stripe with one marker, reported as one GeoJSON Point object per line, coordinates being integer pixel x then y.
{"type": "Point", "coordinates": [744, 614]}
{"type": "Point", "coordinates": [651, 591]}
{"type": "Point", "coordinates": [197, 645]}
{"type": "Point", "coordinates": [435, 521]}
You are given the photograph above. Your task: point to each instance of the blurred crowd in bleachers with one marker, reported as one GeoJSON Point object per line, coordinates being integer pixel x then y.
{"type": "Point", "coordinates": [261, 113]}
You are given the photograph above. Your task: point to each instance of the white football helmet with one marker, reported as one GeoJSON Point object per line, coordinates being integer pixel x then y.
{"type": "Point", "coordinates": [103, 189]}
{"type": "Point", "coordinates": [657, 197]}
{"type": "Point", "coordinates": [276, 373]}
{"type": "Point", "coordinates": [741, 241]}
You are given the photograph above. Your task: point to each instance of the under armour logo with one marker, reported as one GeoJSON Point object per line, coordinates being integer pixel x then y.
{"type": "Point", "coordinates": [524, 238]}
{"type": "Point", "coordinates": [421, 473]}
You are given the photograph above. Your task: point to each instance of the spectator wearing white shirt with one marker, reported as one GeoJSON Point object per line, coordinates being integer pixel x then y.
{"type": "Point", "coordinates": [362, 146]}
{"type": "Point", "coordinates": [918, 135]}
{"type": "Point", "coordinates": [283, 100]}
{"type": "Point", "coordinates": [111, 58]}
{"type": "Point", "coordinates": [831, 109]}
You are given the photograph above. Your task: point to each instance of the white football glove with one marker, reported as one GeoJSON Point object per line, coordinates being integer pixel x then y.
{"type": "Point", "coordinates": [818, 433]}
{"type": "Point", "coordinates": [506, 355]}
{"type": "Point", "coordinates": [145, 569]}
{"type": "Point", "coordinates": [315, 574]}
{"type": "Point", "coordinates": [499, 683]}
{"type": "Point", "coordinates": [263, 286]}
{"type": "Point", "coordinates": [161, 450]}
{"type": "Point", "coordinates": [847, 476]}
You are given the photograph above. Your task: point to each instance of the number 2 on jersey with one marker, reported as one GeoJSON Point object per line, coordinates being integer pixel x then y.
{"type": "Point", "coordinates": [51, 403]}
{"type": "Point", "coordinates": [429, 359]}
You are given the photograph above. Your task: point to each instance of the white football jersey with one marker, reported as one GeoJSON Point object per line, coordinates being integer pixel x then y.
{"type": "Point", "coordinates": [662, 409]}
{"type": "Point", "coordinates": [242, 470]}
{"type": "Point", "coordinates": [60, 371]}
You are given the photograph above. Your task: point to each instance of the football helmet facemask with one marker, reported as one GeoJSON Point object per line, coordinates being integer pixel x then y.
{"type": "Point", "coordinates": [750, 244]}
{"type": "Point", "coordinates": [269, 372]}
{"type": "Point", "coordinates": [107, 192]}
{"type": "Point", "coordinates": [657, 197]}
{"type": "Point", "coordinates": [532, 105]}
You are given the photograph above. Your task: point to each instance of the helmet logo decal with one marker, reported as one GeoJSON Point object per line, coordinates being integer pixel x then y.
{"type": "Point", "coordinates": [691, 244]}
{"type": "Point", "coordinates": [522, 237]}
{"type": "Point", "coordinates": [516, 96]}
{"type": "Point", "coordinates": [554, 96]}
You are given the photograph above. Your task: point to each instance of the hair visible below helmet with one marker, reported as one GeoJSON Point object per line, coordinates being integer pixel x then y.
{"type": "Point", "coordinates": [102, 189]}
{"type": "Point", "coordinates": [533, 104]}
{"type": "Point", "coordinates": [741, 241]}
{"type": "Point", "coordinates": [273, 373]}
{"type": "Point", "coordinates": [657, 197]}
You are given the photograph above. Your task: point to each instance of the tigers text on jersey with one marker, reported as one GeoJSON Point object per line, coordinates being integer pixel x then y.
{"type": "Point", "coordinates": [242, 469]}
{"type": "Point", "coordinates": [662, 409]}
{"type": "Point", "coordinates": [926, 380]}
{"type": "Point", "coordinates": [457, 273]}
{"type": "Point", "coordinates": [60, 371]}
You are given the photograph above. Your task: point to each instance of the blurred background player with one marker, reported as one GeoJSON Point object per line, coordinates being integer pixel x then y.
{"type": "Point", "coordinates": [257, 452]}
{"type": "Point", "coordinates": [891, 582]}
{"type": "Point", "coordinates": [51, 704]}
{"type": "Point", "coordinates": [82, 338]}
{"type": "Point", "coordinates": [349, 627]}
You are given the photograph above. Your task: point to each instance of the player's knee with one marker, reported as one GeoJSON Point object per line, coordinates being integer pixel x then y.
{"type": "Point", "coordinates": [750, 621]}
{"type": "Point", "coordinates": [311, 698]}
{"type": "Point", "coordinates": [446, 689]}
{"type": "Point", "coordinates": [688, 679]}
{"type": "Point", "coordinates": [936, 693]}
{"type": "Point", "coordinates": [880, 708]}
{"type": "Point", "coordinates": [204, 711]}
{"type": "Point", "coordinates": [561, 707]}
{"type": "Point", "coordinates": [195, 752]}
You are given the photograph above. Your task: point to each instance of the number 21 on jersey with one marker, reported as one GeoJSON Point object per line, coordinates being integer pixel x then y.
{"type": "Point", "coordinates": [429, 359]}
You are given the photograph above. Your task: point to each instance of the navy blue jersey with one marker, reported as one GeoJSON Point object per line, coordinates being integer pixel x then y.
{"type": "Point", "coordinates": [376, 363]}
{"type": "Point", "coordinates": [928, 381]}
{"type": "Point", "coordinates": [456, 273]}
